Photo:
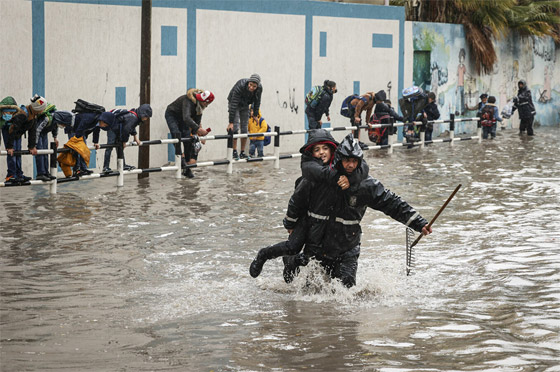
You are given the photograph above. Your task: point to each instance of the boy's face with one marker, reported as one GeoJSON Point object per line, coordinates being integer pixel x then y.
{"type": "Point", "coordinates": [103, 124]}
{"type": "Point", "coordinates": [349, 164]}
{"type": "Point", "coordinates": [322, 151]}
{"type": "Point", "coordinates": [484, 100]}
{"type": "Point", "coordinates": [252, 86]}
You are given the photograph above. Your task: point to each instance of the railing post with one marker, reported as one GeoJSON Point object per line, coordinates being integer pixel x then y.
{"type": "Point", "coordinates": [391, 138]}
{"type": "Point", "coordinates": [423, 133]}
{"type": "Point", "coordinates": [120, 163]}
{"type": "Point", "coordinates": [177, 156]}
{"type": "Point", "coordinates": [451, 127]}
{"type": "Point", "coordinates": [53, 166]}
{"type": "Point", "coordinates": [277, 148]}
{"type": "Point", "coordinates": [479, 130]}
{"type": "Point", "coordinates": [230, 152]}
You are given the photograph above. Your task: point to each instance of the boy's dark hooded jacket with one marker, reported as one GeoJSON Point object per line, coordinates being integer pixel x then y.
{"type": "Point", "coordinates": [335, 215]}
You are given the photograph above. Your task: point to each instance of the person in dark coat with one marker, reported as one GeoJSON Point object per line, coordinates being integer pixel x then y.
{"type": "Point", "coordinates": [315, 111]}
{"type": "Point", "coordinates": [184, 117]}
{"type": "Point", "coordinates": [10, 112]}
{"type": "Point", "coordinates": [245, 93]}
{"type": "Point", "coordinates": [45, 126]}
{"type": "Point", "coordinates": [381, 115]}
{"type": "Point", "coordinates": [316, 164]}
{"type": "Point", "coordinates": [334, 216]}
{"type": "Point", "coordinates": [85, 124]}
{"type": "Point", "coordinates": [524, 103]}
{"type": "Point", "coordinates": [412, 105]}
{"type": "Point", "coordinates": [124, 127]}
{"type": "Point", "coordinates": [431, 113]}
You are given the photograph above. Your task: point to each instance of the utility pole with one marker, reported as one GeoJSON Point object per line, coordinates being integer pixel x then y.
{"type": "Point", "coordinates": [145, 81]}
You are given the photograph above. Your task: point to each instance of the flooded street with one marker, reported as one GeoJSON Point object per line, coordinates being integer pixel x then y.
{"type": "Point", "coordinates": [154, 276]}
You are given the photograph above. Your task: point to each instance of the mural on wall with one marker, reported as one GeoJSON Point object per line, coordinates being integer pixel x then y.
{"type": "Point", "coordinates": [440, 52]}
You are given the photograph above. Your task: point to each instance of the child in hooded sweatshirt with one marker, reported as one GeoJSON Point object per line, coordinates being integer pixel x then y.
{"type": "Point", "coordinates": [316, 166]}
{"type": "Point", "coordinates": [317, 157]}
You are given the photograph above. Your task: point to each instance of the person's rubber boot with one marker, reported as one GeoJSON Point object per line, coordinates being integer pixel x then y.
{"type": "Point", "coordinates": [188, 173]}
{"type": "Point", "coordinates": [265, 254]}
{"type": "Point", "coordinates": [257, 264]}
{"type": "Point", "coordinates": [292, 264]}
{"type": "Point", "coordinates": [183, 163]}
{"type": "Point", "coordinates": [291, 269]}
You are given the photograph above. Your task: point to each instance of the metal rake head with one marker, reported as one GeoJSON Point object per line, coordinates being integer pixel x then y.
{"type": "Point", "coordinates": [410, 259]}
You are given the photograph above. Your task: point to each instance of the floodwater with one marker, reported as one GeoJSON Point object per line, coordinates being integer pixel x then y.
{"type": "Point", "coordinates": [154, 276]}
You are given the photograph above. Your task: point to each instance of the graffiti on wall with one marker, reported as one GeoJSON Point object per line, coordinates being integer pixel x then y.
{"type": "Point", "coordinates": [290, 103]}
{"type": "Point", "coordinates": [450, 73]}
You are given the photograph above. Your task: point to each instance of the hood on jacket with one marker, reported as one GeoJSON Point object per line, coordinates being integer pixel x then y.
{"type": "Point", "coordinates": [8, 101]}
{"type": "Point", "coordinates": [524, 84]}
{"type": "Point", "coordinates": [191, 94]}
{"type": "Point", "coordinates": [348, 148]}
{"type": "Point", "coordinates": [107, 117]}
{"type": "Point", "coordinates": [144, 111]}
{"type": "Point", "coordinates": [380, 96]}
{"type": "Point", "coordinates": [316, 137]}
{"type": "Point", "coordinates": [64, 118]}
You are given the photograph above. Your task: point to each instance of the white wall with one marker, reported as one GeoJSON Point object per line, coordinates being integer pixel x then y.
{"type": "Point", "coordinates": [90, 49]}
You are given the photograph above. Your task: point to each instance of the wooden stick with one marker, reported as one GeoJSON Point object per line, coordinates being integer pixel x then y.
{"type": "Point", "coordinates": [437, 214]}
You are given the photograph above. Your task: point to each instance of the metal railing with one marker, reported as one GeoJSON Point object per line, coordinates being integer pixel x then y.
{"type": "Point", "coordinates": [120, 173]}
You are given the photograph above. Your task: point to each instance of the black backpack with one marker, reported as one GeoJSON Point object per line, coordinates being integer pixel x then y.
{"type": "Point", "coordinates": [487, 116]}
{"type": "Point", "coordinates": [85, 106]}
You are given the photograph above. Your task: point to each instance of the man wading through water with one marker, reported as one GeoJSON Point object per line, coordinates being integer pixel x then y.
{"type": "Point", "coordinates": [333, 216]}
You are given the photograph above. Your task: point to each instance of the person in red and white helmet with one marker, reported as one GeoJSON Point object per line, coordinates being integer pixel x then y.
{"type": "Point", "coordinates": [183, 117]}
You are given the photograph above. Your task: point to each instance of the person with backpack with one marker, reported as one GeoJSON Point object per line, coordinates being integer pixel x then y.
{"type": "Point", "coordinates": [489, 115]}
{"type": "Point", "coordinates": [245, 93]}
{"type": "Point", "coordinates": [412, 105]}
{"type": "Point", "coordinates": [357, 105]}
{"type": "Point", "coordinates": [381, 115]}
{"type": "Point", "coordinates": [86, 123]}
{"type": "Point", "coordinates": [45, 126]}
{"type": "Point", "coordinates": [125, 125]}
{"type": "Point", "coordinates": [184, 117]}
{"type": "Point", "coordinates": [23, 121]}
{"type": "Point", "coordinates": [430, 113]}
{"type": "Point", "coordinates": [9, 109]}
{"type": "Point", "coordinates": [318, 101]}
{"type": "Point", "coordinates": [258, 125]}
{"type": "Point", "coordinates": [524, 103]}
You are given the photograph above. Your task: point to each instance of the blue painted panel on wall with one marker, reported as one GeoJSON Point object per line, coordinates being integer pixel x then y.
{"type": "Point", "coordinates": [120, 96]}
{"type": "Point", "coordinates": [168, 40]}
{"type": "Point", "coordinates": [382, 40]}
{"type": "Point", "coordinates": [323, 44]}
{"type": "Point", "coordinates": [356, 87]}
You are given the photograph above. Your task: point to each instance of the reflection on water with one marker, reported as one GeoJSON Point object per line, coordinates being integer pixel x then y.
{"type": "Point", "coordinates": [154, 275]}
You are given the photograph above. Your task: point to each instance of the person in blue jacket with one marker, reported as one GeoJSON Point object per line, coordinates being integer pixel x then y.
{"type": "Point", "coordinates": [85, 124]}
{"type": "Point", "coordinates": [124, 127]}
{"type": "Point", "coordinates": [489, 116]}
